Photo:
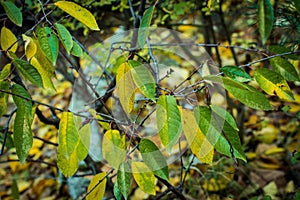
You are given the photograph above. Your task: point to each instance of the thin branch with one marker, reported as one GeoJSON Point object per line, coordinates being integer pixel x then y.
{"type": "Point", "coordinates": [55, 108]}
{"type": "Point", "coordinates": [188, 169]}
{"type": "Point", "coordinates": [45, 141]}
{"type": "Point", "coordinates": [156, 70]}
{"type": "Point", "coordinates": [227, 32]}
{"type": "Point", "coordinates": [6, 130]}
{"type": "Point", "coordinates": [34, 101]}
{"type": "Point", "coordinates": [93, 188]}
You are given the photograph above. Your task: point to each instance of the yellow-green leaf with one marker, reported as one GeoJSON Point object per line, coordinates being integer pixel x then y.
{"type": "Point", "coordinates": [70, 143]}
{"type": "Point", "coordinates": [124, 179]}
{"type": "Point", "coordinates": [84, 141]}
{"type": "Point", "coordinates": [43, 60]}
{"type": "Point", "coordinates": [168, 121]}
{"type": "Point", "coordinates": [143, 79]}
{"type": "Point", "coordinates": [46, 76]}
{"type": "Point", "coordinates": [265, 15]}
{"type": "Point", "coordinates": [154, 159]}
{"type": "Point", "coordinates": [64, 36]}
{"type": "Point", "coordinates": [125, 87]}
{"type": "Point", "coordinates": [113, 148]}
{"type": "Point", "coordinates": [243, 92]}
{"type": "Point", "coordinates": [284, 68]}
{"type": "Point", "coordinates": [23, 138]}
{"type": "Point", "coordinates": [5, 71]}
{"type": "Point", "coordinates": [79, 13]}
{"type": "Point", "coordinates": [13, 12]}
{"type": "Point", "coordinates": [48, 43]}
{"type": "Point", "coordinates": [97, 187]}
{"type": "Point", "coordinates": [30, 46]}
{"type": "Point", "coordinates": [144, 177]}
{"type": "Point", "coordinates": [217, 126]}
{"type": "Point", "coordinates": [4, 85]}
{"type": "Point", "coordinates": [199, 144]}
{"type": "Point", "coordinates": [273, 83]}
{"type": "Point", "coordinates": [8, 40]}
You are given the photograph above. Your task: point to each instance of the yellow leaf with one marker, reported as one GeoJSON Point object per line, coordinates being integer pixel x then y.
{"type": "Point", "coordinates": [251, 155]}
{"type": "Point", "coordinates": [113, 148]}
{"type": "Point", "coordinates": [67, 157]}
{"type": "Point", "coordinates": [144, 177]}
{"type": "Point", "coordinates": [271, 189]}
{"type": "Point", "coordinates": [23, 185]}
{"type": "Point", "coordinates": [46, 76]}
{"type": "Point", "coordinates": [268, 165]}
{"type": "Point", "coordinates": [274, 150]}
{"type": "Point", "coordinates": [97, 187]}
{"type": "Point", "coordinates": [79, 13]}
{"type": "Point", "coordinates": [30, 46]}
{"type": "Point", "coordinates": [267, 134]}
{"type": "Point", "coordinates": [290, 187]}
{"type": "Point", "coordinates": [214, 185]}
{"type": "Point", "coordinates": [8, 39]}
{"type": "Point", "coordinates": [16, 166]}
{"type": "Point", "coordinates": [125, 87]}
{"type": "Point", "coordinates": [199, 145]}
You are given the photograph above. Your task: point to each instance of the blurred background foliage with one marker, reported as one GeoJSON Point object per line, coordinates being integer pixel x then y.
{"type": "Point", "coordinates": [271, 139]}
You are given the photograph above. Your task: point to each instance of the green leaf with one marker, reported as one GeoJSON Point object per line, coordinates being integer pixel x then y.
{"type": "Point", "coordinates": [197, 141]}
{"type": "Point", "coordinates": [143, 79]}
{"type": "Point", "coordinates": [265, 19]}
{"type": "Point", "coordinates": [79, 13]}
{"type": "Point", "coordinates": [216, 125]}
{"type": "Point", "coordinates": [273, 83]}
{"type": "Point", "coordinates": [154, 158]}
{"type": "Point", "coordinates": [71, 141]}
{"type": "Point", "coordinates": [4, 85]}
{"type": "Point", "coordinates": [29, 72]}
{"type": "Point", "coordinates": [8, 39]}
{"type": "Point", "coordinates": [48, 43]}
{"type": "Point", "coordinates": [236, 73]}
{"type": "Point", "coordinates": [113, 148]}
{"type": "Point", "coordinates": [284, 68]}
{"type": "Point", "coordinates": [18, 89]}
{"type": "Point", "coordinates": [64, 36]}
{"type": "Point", "coordinates": [5, 71]}
{"type": "Point", "coordinates": [144, 26]}
{"type": "Point", "coordinates": [277, 49]}
{"type": "Point", "coordinates": [168, 121]}
{"type": "Point", "coordinates": [13, 12]}
{"type": "Point", "coordinates": [144, 177]}
{"type": "Point", "coordinates": [125, 87]}
{"type": "Point", "coordinates": [117, 192]}
{"type": "Point", "coordinates": [98, 184]}
{"type": "Point", "coordinates": [297, 5]}
{"type": "Point", "coordinates": [76, 50]}
{"type": "Point", "coordinates": [23, 138]}
{"type": "Point", "coordinates": [244, 93]}
{"type": "Point", "coordinates": [124, 179]}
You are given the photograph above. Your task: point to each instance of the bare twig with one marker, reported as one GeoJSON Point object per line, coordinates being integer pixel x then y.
{"type": "Point", "coordinates": [6, 130]}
